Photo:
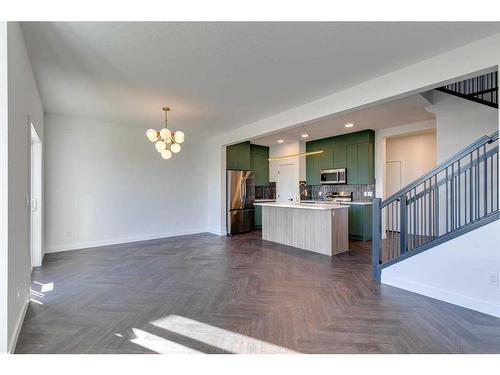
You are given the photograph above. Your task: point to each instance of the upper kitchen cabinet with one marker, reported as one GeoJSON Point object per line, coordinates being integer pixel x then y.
{"type": "Point", "coordinates": [259, 163]}
{"type": "Point", "coordinates": [354, 151]}
{"type": "Point", "coordinates": [238, 156]}
{"type": "Point", "coordinates": [340, 156]}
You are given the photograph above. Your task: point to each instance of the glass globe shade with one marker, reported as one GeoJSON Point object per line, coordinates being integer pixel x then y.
{"type": "Point", "coordinates": [160, 146]}
{"type": "Point", "coordinates": [175, 148]}
{"type": "Point", "coordinates": [179, 136]}
{"type": "Point", "coordinates": [166, 154]}
{"type": "Point", "coordinates": [152, 135]}
{"type": "Point", "coordinates": [165, 134]}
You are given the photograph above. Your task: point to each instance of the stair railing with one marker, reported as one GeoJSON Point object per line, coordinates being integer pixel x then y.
{"type": "Point", "coordinates": [482, 89]}
{"type": "Point", "coordinates": [455, 197]}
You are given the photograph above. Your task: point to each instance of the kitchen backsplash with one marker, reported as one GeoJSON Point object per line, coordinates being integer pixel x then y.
{"type": "Point", "coordinates": [313, 191]}
{"type": "Point", "coordinates": [319, 192]}
{"type": "Point", "coordinates": [266, 192]}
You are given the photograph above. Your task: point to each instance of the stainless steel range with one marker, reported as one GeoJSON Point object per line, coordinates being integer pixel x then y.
{"type": "Point", "coordinates": [340, 196]}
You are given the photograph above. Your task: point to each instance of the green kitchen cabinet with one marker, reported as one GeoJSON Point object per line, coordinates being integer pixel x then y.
{"type": "Point", "coordinates": [259, 163]}
{"type": "Point", "coordinates": [352, 164]}
{"type": "Point", "coordinates": [340, 156]}
{"type": "Point", "coordinates": [258, 217]}
{"type": "Point", "coordinates": [354, 151]}
{"type": "Point", "coordinates": [324, 160]}
{"type": "Point", "coordinates": [238, 156]}
{"type": "Point", "coordinates": [312, 177]}
{"type": "Point", "coordinates": [365, 163]}
{"type": "Point", "coordinates": [360, 222]}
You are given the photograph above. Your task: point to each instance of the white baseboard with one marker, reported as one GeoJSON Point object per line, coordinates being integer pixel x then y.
{"type": "Point", "coordinates": [443, 295]}
{"type": "Point", "coordinates": [117, 241]}
{"type": "Point", "coordinates": [217, 232]}
{"type": "Point", "coordinates": [19, 325]}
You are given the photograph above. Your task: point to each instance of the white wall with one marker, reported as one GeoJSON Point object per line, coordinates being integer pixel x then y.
{"type": "Point", "coordinates": [416, 152]}
{"type": "Point", "coordinates": [381, 136]}
{"type": "Point", "coordinates": [457, 271]}
{"type": "Point", "coordinates": [107, 184]}
{"type": "Point", "coordinates": [24, 104]}
{"type": "Point", "coordinates": [460, 122]}
{"type": "Point", "coordinates": [299, 163]}
{"type": "Point", "coordinates": [284, 150]}
{"type": "Point", "coordinates": [4, 228]}
{"type": "Point", "coordinates": [441, 69]}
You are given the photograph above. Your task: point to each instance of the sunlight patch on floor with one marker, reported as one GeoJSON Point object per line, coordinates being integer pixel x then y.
{"type": "Point", "coordinates": [159, 344]}
{"type": "Point", "coordinates": [229, 341]}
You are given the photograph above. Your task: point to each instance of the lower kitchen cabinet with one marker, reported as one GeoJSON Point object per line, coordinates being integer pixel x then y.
{"type": "Point", "coordinates": [258, 217]}
{"type": "Point", "coordinates": [360, 222]}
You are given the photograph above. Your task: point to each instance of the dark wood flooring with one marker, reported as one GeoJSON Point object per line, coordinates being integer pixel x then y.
{"type": "Point", "coordinates": [210, 294]}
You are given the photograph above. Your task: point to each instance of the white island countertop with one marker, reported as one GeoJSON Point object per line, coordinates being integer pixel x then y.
{"type": "Point", "coordinates": [305, 206]}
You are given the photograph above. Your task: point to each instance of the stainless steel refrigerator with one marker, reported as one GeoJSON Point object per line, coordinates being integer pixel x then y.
{"type": "Point", "coordinates": [240, 198]}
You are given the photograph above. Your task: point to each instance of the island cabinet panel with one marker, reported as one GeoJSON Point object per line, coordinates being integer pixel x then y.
{"type": "Point", "coordinates": [238, 156]}
{"type": "Point", "coordinates": [354, 151]}
{"type": "Point", "coordinates": [321, 231]}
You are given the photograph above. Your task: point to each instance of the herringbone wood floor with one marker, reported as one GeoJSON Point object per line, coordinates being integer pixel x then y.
{"type": "Point", "coordinates": [104, 300]}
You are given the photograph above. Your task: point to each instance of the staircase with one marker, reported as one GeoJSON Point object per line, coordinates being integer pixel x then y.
{"type": "Point", "coordinates": [456, 197]}
{"type": "Point", "coordinates": [482, 89]}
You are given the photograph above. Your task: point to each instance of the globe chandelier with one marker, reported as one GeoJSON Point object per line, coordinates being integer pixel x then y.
{"type": "Point", "coordinates": [165, 141]}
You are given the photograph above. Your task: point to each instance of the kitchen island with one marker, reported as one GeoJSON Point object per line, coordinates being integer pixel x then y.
{"type": "Point", "coordinates": [322, 228]}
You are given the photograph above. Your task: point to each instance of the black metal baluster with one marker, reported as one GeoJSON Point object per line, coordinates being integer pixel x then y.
{"type": "Point", "coordinates": [471, 188]}
{"type": "Point", "coordinates": [485, 168]}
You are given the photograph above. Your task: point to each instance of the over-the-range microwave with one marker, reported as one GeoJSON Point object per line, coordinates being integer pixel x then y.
{"type": "Point", "coordinates": [333, 176]}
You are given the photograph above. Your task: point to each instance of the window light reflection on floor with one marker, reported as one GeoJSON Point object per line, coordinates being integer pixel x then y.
{"type": "Point", "coordinates": [159, 344]}
{"type": "Point", "coordinates": [221, 338]}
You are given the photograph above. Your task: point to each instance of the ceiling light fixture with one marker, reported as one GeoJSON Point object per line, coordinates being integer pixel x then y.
{"type": "Point", "coordinates": [280, 141]}
{"type": "Point", "coordinates": [163, 138]}
{"type": "Point", "coordinates": [350, 125]}
{"type": "Point", "coordinates": [305, 135]}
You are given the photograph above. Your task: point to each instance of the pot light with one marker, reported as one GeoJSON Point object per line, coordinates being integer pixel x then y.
{"type": "Point", "coordinates": [280, 141]}
{"type": "Point", "coordinates": [305, 135]}
{"type": "Point", "coordinates": [349, 125]}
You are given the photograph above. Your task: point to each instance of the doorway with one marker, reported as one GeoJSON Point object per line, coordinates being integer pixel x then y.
{"type": "Point", "coordinates": [36, 201]}
{"type": "Point", "coordinates": [287, 186]}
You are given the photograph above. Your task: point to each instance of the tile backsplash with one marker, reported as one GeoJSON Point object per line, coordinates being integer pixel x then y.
{"type": "Point", "coordinates": [266, 192]}
{"type": "Point", "coordinates": [318, 192]}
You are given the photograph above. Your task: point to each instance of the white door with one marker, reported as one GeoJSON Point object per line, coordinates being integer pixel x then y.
{"type": "Point", "coordinates": [36, 194]}
{"type": "Point", "coordinates": [392, 185]}
{"type": "Point", "coordinates": [286, 186]}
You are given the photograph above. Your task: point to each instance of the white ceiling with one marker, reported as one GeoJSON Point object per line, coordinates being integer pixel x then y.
{"type": "Point", "coordinates": [397, 112]}
{"type": "Point", "coordinates": [216, 76]}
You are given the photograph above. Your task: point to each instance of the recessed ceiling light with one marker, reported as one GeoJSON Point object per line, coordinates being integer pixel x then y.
{"type": "Point", "coordinates": [349, 125]}
{"type": "Point", "coordinates": [305, 135]}
{"type": "Point", "coordinates": [280, 141]}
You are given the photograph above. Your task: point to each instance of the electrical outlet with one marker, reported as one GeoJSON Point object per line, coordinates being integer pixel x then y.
{"type": "Point", "coordinates": [493, 278]}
